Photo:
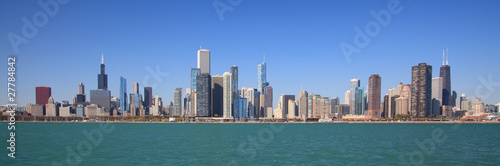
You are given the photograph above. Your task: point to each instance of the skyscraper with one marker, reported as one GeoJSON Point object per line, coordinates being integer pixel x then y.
{"type": "Point", "coordinates": [217, 95]}
{"type": "Point", "coordinates": [437, 95]}
{"type": "Point", "coordinates": [148, 96]}
{"type": "Point", "coordinates": [421, 92]}
{"type": "Point", "coordinates": [268, 90]}
{"type": "Point", "coordinates": [333, 104]}
{"type": "Point", "coordinates": [135, 87]}
{"type": "Point", "coordinates": [359, 101]}
{"type": "Point", "coordinates": [203, 95]}
{"type": "Point", "coordinates": [354, 84]}
{"type": "Point", "coordinates": [284, 103]}
{"type": "Point", "coordinates": [444, 72]}
{"type": "Point", "coordinates": [390, 109]}
{"type": "Point", "coordinates": [227, 95]}
{"type": "Point", "coordinates": [261, 75]}
{"type": "Point", "coordinates": [123, 95]}
{"type": "Point", "coordinates": [42, 95]}
{"type": "Point", "coordinates": [81, 88]}
{"type": "Point", "coordinates": [204, 61]}
{"type": "Point", "coordinates": [347, 97]}
{"type": "Point", "coordinates": [177, 102]}
{"type": "Point", "coordinates": [102, 78]}
{"type": "Point", "coordinates": [374, 87]}
{"type": "Point", "coordinates": [303, 104]}
{"type": "Point", "coordinates": [234, 89]}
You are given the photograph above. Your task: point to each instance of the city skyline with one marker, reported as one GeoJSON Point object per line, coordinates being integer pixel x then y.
{"type": "Point", "coordinates": [470, 59]}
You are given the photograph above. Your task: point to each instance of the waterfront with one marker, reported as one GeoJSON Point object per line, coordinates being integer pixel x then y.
{"type": "Point", "coordinates": [255, 144]}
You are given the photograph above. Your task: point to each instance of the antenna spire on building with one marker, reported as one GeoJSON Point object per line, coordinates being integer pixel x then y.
{"type": "Point", "coordinates": [102, 58]}
{"type": "Point", "coordinates": [443, 57]}
{"type": "Point", "coordinates": [446, 56]}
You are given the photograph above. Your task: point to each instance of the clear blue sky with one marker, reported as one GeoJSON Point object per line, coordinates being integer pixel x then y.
{"type": "Point", "coordinates": [299, 38]}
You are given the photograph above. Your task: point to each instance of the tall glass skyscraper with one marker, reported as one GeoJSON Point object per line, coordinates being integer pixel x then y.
{"type": "Point", "coordinates": [354, 84]}
{"type": "Point", "coordinates": [177, 101]}
{"type": "Point", "coordinates": [359, 101]}
{"type": "Point", "coordinates": [261, 75]}
{"type": "Point", "coordinates": [234, 89]}
{"type": "Point", "coordinates": [123, 95]}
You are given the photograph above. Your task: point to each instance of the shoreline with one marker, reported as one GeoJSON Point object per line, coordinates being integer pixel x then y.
{"type": "Point", "coordinates": [339, 122]}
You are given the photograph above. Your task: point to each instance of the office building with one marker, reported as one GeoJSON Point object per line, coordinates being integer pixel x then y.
{"type": "Point", "coordinates": [421, 92]}
{"type": "Point", "coordinates": [334, 102]}
{"type": "Point", "coordinates": [261, 75]}
{"type": "Point", "coordinates": [227, 96]}
{"type": "Point", "coordinates": [437, 95]}
{"type": "Point", "coordinates": [477, 105]}
{"type": "Point", "coordinates": [204, 61]}
{"type": "Point", "coordinates": [355, 83]}
{"type": "Point", "coordinates": [123, 95]}
{"type": "Point", "coordinates": [42, 95]}
{"type": "Point", "coordinates": [101, 98]}
{"type": "Point", "coordinates": [177, 102]}
{"type": "Point", "coordinates": [465, 103]}
{"type": "Point", "coordinates": [203, 95]}
{"type": "Point", "coordinates": [303, 103]}
{"type": "Point", "coordinates": [234, 90]}
{"type": "Point", "coordinates": [217, 95]}
{"type": "Point", "coordinates": [102, 78]}
{"type": "Point", "coordinates": [444, 72]}
{"type": "Point", "coordinates": [359, 104]}
{"type": "Point", "coordinates": [148, 96]}
{"type": "Point", "coordinates": [374, 88]}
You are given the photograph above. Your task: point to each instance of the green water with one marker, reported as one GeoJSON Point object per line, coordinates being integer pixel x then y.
{"type": "Point", "coordinates": [253, 144]}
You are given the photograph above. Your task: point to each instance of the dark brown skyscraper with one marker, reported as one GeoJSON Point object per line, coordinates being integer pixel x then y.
{"type": "Point", "coordinates": [374, 86]}
{"type": "Point", "coordinates": [421, 86]}
{"type": "Point", "coordinates": [42, 95]}
{"type": "Point", "coordinates": [102, 78]}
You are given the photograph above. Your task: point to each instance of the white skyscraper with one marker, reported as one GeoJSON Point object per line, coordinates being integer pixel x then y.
{"type": "Point", "coordinates": [437, 95]}
{"type": "Point", "coordinates": [227, 95]}
{"type": "Point", "coordinates": [347, 96]}
{"type": "Point", "coordinates": [204, 61]}
{"type": "Point", "coordinates": [392, 92]}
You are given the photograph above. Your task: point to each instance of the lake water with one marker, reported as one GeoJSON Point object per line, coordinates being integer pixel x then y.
{"type": "Point", "coordinates": [252, 144]}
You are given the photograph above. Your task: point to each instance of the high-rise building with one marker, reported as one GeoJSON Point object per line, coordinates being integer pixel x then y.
{"type": "Point", "coordinates": [135, 87]}
{"type": "Point", "coordinates": [284, 102]}
{"type": "Point", "coordinates": [101, 98]}
{"type": "Point", "coordinates": [234, 90]}
{"type": "Point", "coordinates": [465, 103]}
{"type": "Point", "coordinates": [102, 78]}
{"type": "Point", "coordinates": [303, 104]}
{"type": "Point", "coordinates": [359, 101]}
{"type": "Point", "coordinates": [347, 97]}
{"type": "Point", "coordinates": [250, 96]}
{"type": "Point", "coordinates": [227, 96]}
{"type": "Point", "coordinates": [241, 108]}
{"type": "Point", "coordinates": [217, 95]}
{"type": "Point", "coordinates": [403, 101]}
{"type": "Point", "coordinates": [333, 103]}
{"type": "Point", "coordinates": [374, 87]}
{"type": "Point", "coordinates": [187, 103]}
{"type": "Point", "coordinates": [204, 61]}
{"type": "Point", "coordinates": [400, 88]}
{"type": "Point", "coordinates": [291, 109]}
{"type": "Point", "coordinates": [437, 95]}
{"type": "Point", "coordinates": [354, 84]}
{"type": "Point", "coordinates": [42, 95]}
{"type": "Point", "coordinates": [203, 95]}
{"type": "Point", "coordinates": [477, 105]}
{"type": "Point", "coordinates": [421, 92]}
{"type": "Point", "coordinates": [177, 102]}
{"type": "Point", "coordinates": [261, 75]}
{"type": "Point", "coordinates": [123, 95]}
{"type": "Point", "coordinates": [148, 96]}
{"type": "Point", "coordinates": [392, 92]}
{"type": "Point", "coordinates": [444, 72]}
{"type": "Point", "coordinates": [81, 88]}
{"type": "Point", "coordinates": [268, 90]}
